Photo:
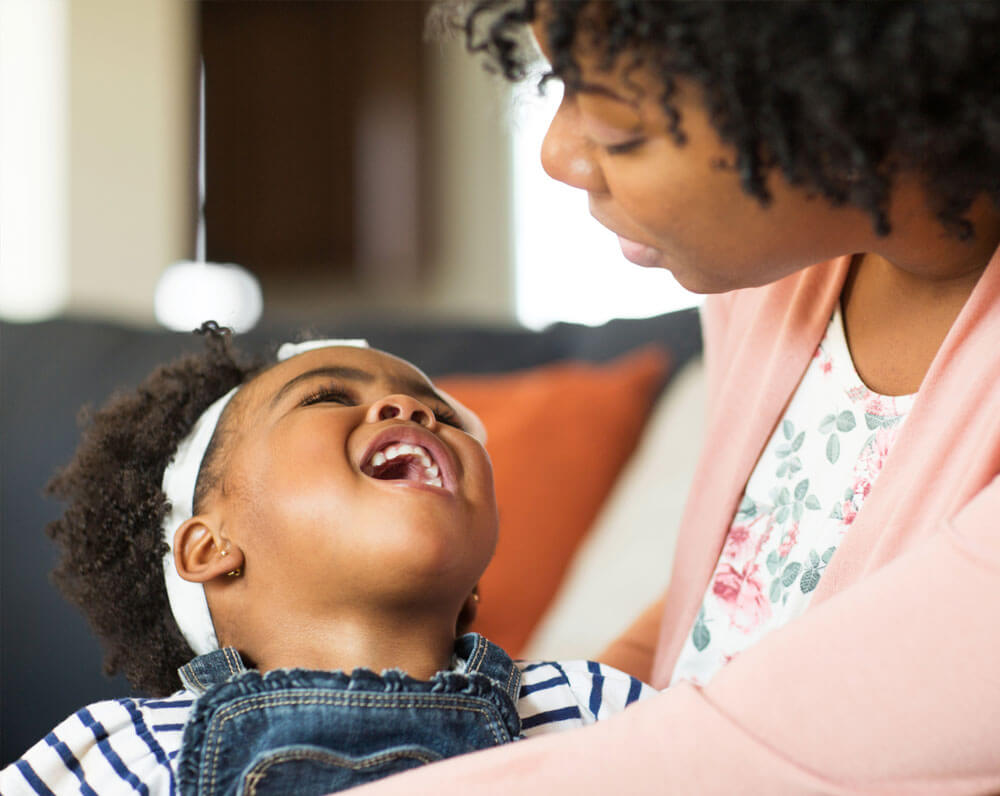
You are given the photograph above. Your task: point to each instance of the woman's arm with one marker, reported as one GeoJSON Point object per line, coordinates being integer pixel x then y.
{"type": "Point", "coordinates": [891, 686]}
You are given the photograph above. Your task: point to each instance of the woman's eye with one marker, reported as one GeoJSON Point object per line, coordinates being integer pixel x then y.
{"type": "Point", "coordinates": [623, 148]}
{"type": "Point", "coordinates": [329, 395]}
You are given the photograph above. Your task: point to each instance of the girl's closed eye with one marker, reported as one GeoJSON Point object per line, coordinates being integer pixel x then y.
{"type": "Point", "coordinates": [444, 414]}
{"type": "Point", "coordinates": [329, 394]}
{"type": "Point", "coordinates": [338, 395]}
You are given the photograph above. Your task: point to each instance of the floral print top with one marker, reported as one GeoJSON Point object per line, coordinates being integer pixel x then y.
{"type": "Point", "coordinates": [805, 491]}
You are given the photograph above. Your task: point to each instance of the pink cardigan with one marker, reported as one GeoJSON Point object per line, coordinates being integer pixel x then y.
{"type": "Point", "coordinates": [890, 682]}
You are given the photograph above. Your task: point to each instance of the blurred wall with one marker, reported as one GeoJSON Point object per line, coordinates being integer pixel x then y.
{"type": "Point", "coordinates": [473, 264]}
{"type": "Point", "coordinates": [131, 143]}
{"type": "Point", "coordinates": [133, 180]}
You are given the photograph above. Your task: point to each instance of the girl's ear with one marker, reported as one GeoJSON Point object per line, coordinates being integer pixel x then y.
{"type": "Point", "coordinates": [201, 553]}
{"type": "Point", "coordinates": [468, 613]}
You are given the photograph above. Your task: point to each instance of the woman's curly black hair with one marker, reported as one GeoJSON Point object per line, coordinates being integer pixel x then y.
{"type": "Point", "coordinates": [838, 95]}
{"type": "Point", "coordinates": [110, 535]}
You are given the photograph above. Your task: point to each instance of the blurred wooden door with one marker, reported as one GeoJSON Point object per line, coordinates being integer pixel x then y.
{"type": "Point", "coordinates": [313, 127]}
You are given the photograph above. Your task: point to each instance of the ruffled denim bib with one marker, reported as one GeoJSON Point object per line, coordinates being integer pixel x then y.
{"type": "Point", "coordinates": [296, 731]}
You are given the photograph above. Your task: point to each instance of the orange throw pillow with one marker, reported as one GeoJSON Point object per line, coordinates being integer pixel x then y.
{"type": "Point", "coordinates": [558, 437]}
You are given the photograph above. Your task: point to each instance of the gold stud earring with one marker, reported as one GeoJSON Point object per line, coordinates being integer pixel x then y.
{"type": "Point", "coordinates": [235, 573]}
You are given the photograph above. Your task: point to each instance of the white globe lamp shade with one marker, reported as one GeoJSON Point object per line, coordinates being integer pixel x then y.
{"type": "Point", "coordinates": [189, 293]}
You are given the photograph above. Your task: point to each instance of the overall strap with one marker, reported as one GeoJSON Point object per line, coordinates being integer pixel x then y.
{"type": "Point", "coordinates": [201, 673]}
{"type": "Point", "coordinates": [488, 659]}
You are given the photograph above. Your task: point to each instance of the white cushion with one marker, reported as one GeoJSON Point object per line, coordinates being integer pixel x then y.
{"type": "Point", "coordinates": [624, 562]}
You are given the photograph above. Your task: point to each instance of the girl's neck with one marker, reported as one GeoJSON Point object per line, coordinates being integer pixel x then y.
{"type": "Point", "coordinates": [419, 646]}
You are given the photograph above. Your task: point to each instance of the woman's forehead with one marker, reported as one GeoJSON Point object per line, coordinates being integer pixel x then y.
{"type": "Point", "coordinates": [626, 79]}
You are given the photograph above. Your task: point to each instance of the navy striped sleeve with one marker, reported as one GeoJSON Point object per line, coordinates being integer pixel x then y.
{"type": "Point", "coordinates": [32, 778]}
{"type": "Point", "coordinates": [121, 746]}
{"type": "Point", "coordinates": [114, 760]}
{"type": "Point", "coordinates": [596, 688]}
{"type": "Point", "coordinates": [560, 695]}
{"type": "Point", "coordinates": [70, 761]}
{"type": "Point", "coordinates": [550, 717]}
{"type": "Point", "coordinates": [634, 691]}
{"type": "Point", "coordinates": [144, 732]}
{"type": "Point", "coordinates": [552, 682]}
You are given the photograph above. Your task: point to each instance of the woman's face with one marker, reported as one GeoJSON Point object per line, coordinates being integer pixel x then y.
{"type": "Point", "coordinates": [349, 484]}
{"type": "Point", "coordinates": [671, 205]}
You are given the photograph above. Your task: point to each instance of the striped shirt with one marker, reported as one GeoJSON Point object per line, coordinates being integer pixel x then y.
{"type": "Point", "coordinates": [131, 745]}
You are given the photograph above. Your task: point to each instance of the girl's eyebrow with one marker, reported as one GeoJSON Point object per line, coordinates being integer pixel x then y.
{"type": "Point", "coordinates": [334, 371]}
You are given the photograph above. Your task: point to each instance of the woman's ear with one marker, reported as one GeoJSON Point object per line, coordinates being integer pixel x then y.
{"type": "Point", "coordinates": [202, 554]}
{"type": "Point", "coordinates": [468, 613]}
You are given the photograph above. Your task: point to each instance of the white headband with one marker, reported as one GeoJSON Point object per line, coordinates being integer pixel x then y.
{"type": "Point", "coordinates": [187, 598]}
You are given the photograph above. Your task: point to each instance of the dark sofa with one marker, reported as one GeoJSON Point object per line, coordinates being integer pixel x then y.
{"type": "Point", "coordinates": [50, 664]}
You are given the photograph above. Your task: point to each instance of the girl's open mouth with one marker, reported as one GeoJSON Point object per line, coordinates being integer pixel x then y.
{"type": "Point", "coordinates": [404, 462]}
{"type": "Point", "coordinates": [409, 454]}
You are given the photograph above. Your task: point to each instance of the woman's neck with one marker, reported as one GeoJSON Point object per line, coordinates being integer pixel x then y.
{"type": "Point", "coordinates": [900, 303]}
{"type": "Point", "coordinates": [895, 322]}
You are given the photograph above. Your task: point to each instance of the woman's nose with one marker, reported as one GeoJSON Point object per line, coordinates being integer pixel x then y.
{"type": "Point", "coordinates": [401, 407]}
{"type": "Point", "coordinates": [567, 155]}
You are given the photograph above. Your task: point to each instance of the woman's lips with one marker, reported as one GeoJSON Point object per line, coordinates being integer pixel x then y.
{"type": "Point", "coordinates": [633, 251]}
{"type": "Point", "coordinates": [639, 253]}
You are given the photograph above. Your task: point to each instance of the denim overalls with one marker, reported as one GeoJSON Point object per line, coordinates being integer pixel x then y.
{"type": "Point", "coordinates": [295, 731]}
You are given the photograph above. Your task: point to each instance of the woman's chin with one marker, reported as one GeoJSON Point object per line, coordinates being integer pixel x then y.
{"type": "Point", "coordinates": [686, 271]}
{"type": "Point", "coordinates": [702, 281]}
{"type": "Point", "coordinates": [641, 254]}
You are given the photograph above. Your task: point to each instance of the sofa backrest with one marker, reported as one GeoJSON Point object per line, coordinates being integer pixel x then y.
{"type": "Point", "coordinates": [51, 663]}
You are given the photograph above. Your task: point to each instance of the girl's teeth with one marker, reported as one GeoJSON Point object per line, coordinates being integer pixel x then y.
{"type": "Point", "coordinates": [403, 449]}
{"type": "Point", "coordinates": [432, 473]}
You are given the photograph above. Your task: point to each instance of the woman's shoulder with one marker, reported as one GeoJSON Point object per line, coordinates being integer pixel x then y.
{"type": "Point", "coordinates": [558, 695]}
{"type": "Point", "coordinates": [118, 745]}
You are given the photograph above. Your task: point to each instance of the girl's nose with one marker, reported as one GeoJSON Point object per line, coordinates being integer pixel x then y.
{"type": "Point", "coordinates": [401, 407]}
{"type": "Point", "coordinates": [567, 155]}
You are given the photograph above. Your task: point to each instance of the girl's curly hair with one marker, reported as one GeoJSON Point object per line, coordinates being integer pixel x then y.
{"type": "Point", "coordinates": [837, 94]}
{"type": "Point", "coordinates": [110, 535]}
